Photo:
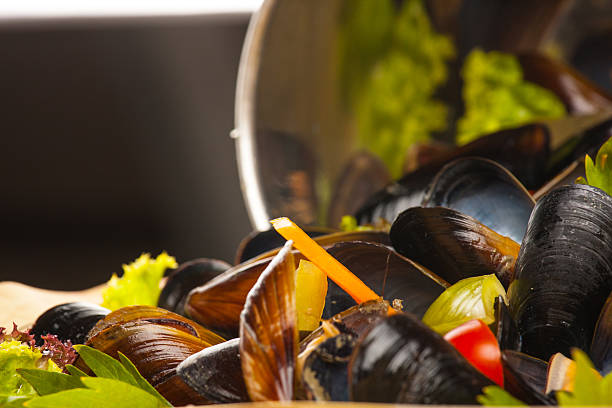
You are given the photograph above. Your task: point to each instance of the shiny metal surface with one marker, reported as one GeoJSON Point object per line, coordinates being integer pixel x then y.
{"type": "Point", "coordinates": [293, 134]}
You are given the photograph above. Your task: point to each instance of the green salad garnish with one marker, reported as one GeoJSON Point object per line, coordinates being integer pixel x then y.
{"type": "Point", "coordinates": [392, 64]}
{"type": "Point", "coordinates": [140, 283]}
{"type": "Point", "coordinates": [497, 97]}
{"type": "Point", "coordinates": [590, 389]}
{"type": "Point", "coordinates": [599, 174]}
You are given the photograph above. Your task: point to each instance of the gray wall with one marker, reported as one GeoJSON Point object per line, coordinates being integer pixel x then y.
{"type": "Point", "coordinates": [114, 141]}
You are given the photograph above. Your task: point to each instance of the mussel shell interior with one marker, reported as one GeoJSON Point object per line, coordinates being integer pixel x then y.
{"type": "Point", "coordinates": [563, 274]}
{"type": "Point", "coordinates": [486, 191]}
{"type": "Point", "coordinates": [387, 273]}
{"type": "Point", "coordinates": [325, 374]}
{"type": "Point", "coordinates": [68, 321]}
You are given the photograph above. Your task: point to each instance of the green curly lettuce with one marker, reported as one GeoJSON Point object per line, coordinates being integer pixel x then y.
{"type": "Point", "coordinates": [497, 97]}
{"type": "Point", "coordinates": [392, 82]}
{"type": "Point", "coordinates": [16, 354]}
{"type": "Point", "coordinates": [140, 283]}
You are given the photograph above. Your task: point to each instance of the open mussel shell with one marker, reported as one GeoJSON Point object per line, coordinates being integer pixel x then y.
{"type": "Point", "coordinates": [156, 341]}
{"type": "Point", "coordinates": [485, 190]}
{"type": "Point", "coordinates": [260, 242]}
{"type": "Point", "coordinates": [453, 245]}
{"type": "Point", "coordinates": [325, 373]}
{"type": "Point", "coordinates": [563, 274]}
{"type": "Point", "coordinates": [525, 377]}
{"type": "Point", "coordinates": [523, 151]}
{"type": "Point", "coordinates": [401, 360]}
{"type": "Point", "coordinates": [269, 333]}
{"type": "Point", "coordinates": [68, 321]}
{"type": "Point", "coordinates": [601, 346]}
{"type": "Point", "coordinates": [387, 273]}
{"type": "Point", "coordinates": [218, 304]}
{"type": "Point", "coordinates": [186, 277]}
{"type": "Point", "coordinates": [216, 373]}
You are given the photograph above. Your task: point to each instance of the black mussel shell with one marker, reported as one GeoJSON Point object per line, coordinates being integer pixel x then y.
{"type": "Point", "coordinates": [453, 245]}
{"type": "Point", "coordinates": [563, 274]}
{"type": "Point", "coordinates": [504, 327]}
{"type": "Point", "coordinates": [68, 321]}
{"type": "Point", "coordinates": [484, 190]}
{"type": "Point", "coordinates": [525, 378]}
{"type": "Point", "coordinates": [403, 361]}
{"type": "Point", "coordinates": [186, 277]}
{"type": "Point", "coordinates": [387, 273]}
{"type": "Point", "coordinates": [325, 373]}
{"type": "Point", "coordinates": [601, 346]}
{"type": "Point", "coordinates": [216, 373]}
{"type": "Point", "coordinates": [524, 151]}
{"type": "Point", "coordinates": [364, 175]}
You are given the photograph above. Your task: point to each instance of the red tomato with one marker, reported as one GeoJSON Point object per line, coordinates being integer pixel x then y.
{"type": "Point", "coordinates": [475, 341]}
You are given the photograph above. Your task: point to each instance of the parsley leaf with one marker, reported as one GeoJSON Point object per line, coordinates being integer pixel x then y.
{"type": "Point", "coordinates": [599, 174]}
{"type": "Point", "coordinates": [589, 388]}
{"type": "Point", "coordinates": [99, 392]}
{"type": "Point", "coordinates": [494, 396]}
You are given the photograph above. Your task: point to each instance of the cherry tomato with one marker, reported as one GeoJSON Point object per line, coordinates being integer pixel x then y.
{"type": "Point", "coordinates": [475, 341]}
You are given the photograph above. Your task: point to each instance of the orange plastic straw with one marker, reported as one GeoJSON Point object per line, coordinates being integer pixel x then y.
{"type": "Point", "coordinates": [337, 272]}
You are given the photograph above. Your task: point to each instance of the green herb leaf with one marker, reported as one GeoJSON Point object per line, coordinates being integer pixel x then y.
{"type": "Point", "coordinates": [139, 284]}
{"type": "Point", "coordinates": [100, 393]}
{"type": "Point", "coordinates": [599, 174]}
{"type": "Point", "coordinates": [468, 299]}
{"type": "Point", "coordinates": [589, 388]}
{"type": "Point", "coordinates": [494, 396]}
{"type": "Point", "coordinates": [75, 371]}
{"type": "Point", "coordinates": [104, 365]}
{"type": "Point", "coordinates": [142, 382]}
{"type": "Point", "coordinates": [46, 382]}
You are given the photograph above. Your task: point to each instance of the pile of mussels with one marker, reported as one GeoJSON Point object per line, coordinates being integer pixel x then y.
{"type": "Point", "coordinates": [214, 339]}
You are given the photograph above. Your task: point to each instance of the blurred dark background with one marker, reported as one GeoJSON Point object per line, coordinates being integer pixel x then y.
{"type": "Point", "coordinates": [115, 142]}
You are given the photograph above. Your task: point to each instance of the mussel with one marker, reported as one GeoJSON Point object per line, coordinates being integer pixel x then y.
{"type": "Point", "coordinates": [387, 273]}
{"type": "Point", "coordinates": [525, 377]}
{"type": "Point", "coordinates": [187, 276]}
{"type": "Point", "coordinates": [156, 341]}
{"type": "Point", "coordinates": [453, 245]}
{"type": "Point", "coordinates": [563, 273]}
{"type": "Point", "coordinates": [68, 321]}
{"type": "Point", "coordinates": [216, 373]}
{"type": "Point", "coordinates": [484, 190]}
{"type": "Point", "coordinates": [401, 360]}
{"type": "Point", "coordinates": [218, 303]}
